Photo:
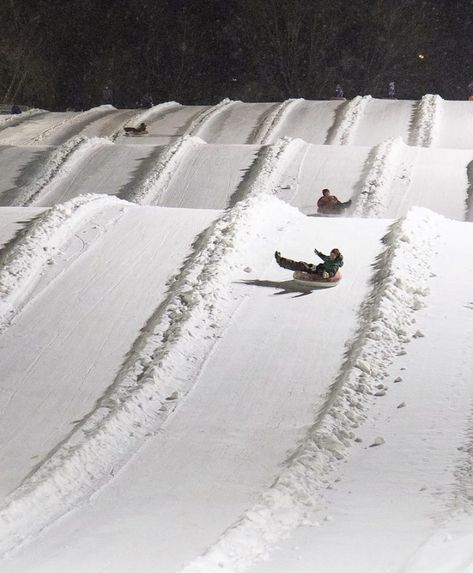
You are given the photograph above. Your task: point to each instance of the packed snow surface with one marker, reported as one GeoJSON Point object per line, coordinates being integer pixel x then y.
{"type": "Point", "coordinates": [171, 400]}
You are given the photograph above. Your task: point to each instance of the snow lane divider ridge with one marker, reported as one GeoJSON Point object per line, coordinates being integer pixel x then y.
{"type": "Point", "coordinates": [371, 201]}
{"type": "Point", "coordinates": [60, 164]}
{"type": "Point", "coordinates": [17, 118]}
{"type": "Point", "coordinates": [208, 115]}
{"type": "Point", "coordinates": [352, 114]}
{"type": "Point", "coordinates": [267, 129]}
{"type": "Point", "coordinates": [398, 288]}
{"type": "Point", "coordinates": [155, 185]}
{"type": "Point", "coordinates": [427, 120]}
{"type": "Point", "coordinates": [23, 260]}
{"type": "Point", "coordinates": [158, 365]}
{"type": "Point", "coordinates": [269, 167]}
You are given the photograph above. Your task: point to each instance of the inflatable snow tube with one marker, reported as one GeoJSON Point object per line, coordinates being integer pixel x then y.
{"type": "Point", "coordinates": [316, 281]}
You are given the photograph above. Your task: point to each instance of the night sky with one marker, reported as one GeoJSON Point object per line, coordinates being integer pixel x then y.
{"type": "Point", "coordinates": [79, 53]}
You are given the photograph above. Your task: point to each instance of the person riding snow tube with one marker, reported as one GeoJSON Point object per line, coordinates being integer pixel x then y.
{"type": "Point", "coordinates": [327, 269]}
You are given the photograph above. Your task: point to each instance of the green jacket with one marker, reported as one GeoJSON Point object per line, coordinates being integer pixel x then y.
{"type": "Point", "coordinates": [331, 266]}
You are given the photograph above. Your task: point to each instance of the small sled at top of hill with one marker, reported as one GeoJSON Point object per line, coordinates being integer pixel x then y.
{"type": "Point", "coordinates": [313, 280]}
{"type": "Point", "coordinates": [133, 131]}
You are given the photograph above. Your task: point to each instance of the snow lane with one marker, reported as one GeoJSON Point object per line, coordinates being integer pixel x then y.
{"type": "Point", "coordinates": [217, 169]}
{"type": "Point", "coordinates": [24, 258]}
{"type": "Point", "coordinates": [94, 332]}
{"type": "Point", "coordinates": [384, 119]}
{"type": "Point", "coordinates": [345, 126]}
{"type": "Point", "coordinates": [236, 124]}
{"type": "Point", "coordinates": [272, 404]}
{"type": "Point", "coordinates": [453, 131]}
{"type": "Point", "coordinates": [27, 132]}
{"type": "Point", "coordinates": [72, 125]}
{"type": "Point", "coordinates": [100, 168]}
{"type": "Point", "coordinates": [310, 121]}
{"type": "Point", "coordinates": [320, 169]}
{"type": "Point", "coordinates": [406, 506]}
{"type": "Point", "coordinates": [385, 319]}
{"type": "Point", "coordinates": [169, 126]}
{"type": "Point", "coordinates": [439, 181]}
{"type": "Point", "coordinates": [266, 131]}
{"type": "Point", "coordinates": [17, 165]}
{"type": "Point", "coordinates": [13, 220]}
{"type": "Point", "coordinates": [17, 119]}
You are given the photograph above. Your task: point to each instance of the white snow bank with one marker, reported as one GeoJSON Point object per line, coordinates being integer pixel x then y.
{"type": "Point", "coordinates": [24, 259]}
{"type": "Point", "coordinates": [399, 285]}
{"type": "Point", "coordinates": [61, 163]}
{"type": "Point", "coordinates": [267, 129]}
{"type": "Point", "coordinates": [352, 114]}
{"type": "Point", "coordinates": [373, 197]}
{"type": "Point", "coordinates": [154, 186]}
{"type": "Point", "coordinates": [427, 120]}
{"type": "Point", "coordinates": [165, 359]}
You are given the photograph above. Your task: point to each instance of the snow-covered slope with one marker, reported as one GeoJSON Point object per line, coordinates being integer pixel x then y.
{"type": "Point", "coordinates": [173, 401]}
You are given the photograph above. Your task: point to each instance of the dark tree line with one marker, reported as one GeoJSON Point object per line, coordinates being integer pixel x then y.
{"type": "Point", "coordinates": [60, 54]}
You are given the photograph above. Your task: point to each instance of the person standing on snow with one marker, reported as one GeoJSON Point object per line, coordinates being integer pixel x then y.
{"type": "Point", "coordinates": [392, 90]}
{"type": "Point", "coordinates": [338, 91]}
{"type": "Point", "coordinates": [329, 267]}
{"type": "Point", "coordinates": [328, 204]}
